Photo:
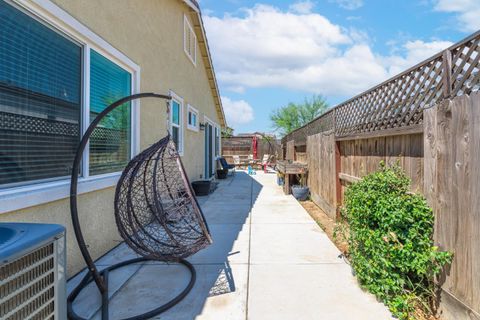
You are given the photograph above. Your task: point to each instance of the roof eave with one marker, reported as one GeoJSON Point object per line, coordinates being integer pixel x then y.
{"type": "Point", "coordinates": [193, 4]}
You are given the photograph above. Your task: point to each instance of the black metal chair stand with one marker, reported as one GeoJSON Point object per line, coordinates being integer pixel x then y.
{"type": "Point", "coordinates": [155, 210]}
{"type": "Point", "coordinates": [105, 298]}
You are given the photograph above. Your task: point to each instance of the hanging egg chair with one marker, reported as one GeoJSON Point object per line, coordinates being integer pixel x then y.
{"type": "Point", "coordinates": [155, 210]}
{"type": "Point", "coordinates": [156, 213]}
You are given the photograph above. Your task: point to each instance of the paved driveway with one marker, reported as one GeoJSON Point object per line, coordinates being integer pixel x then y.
{"type": "Point", "coordinates": [269, 260]}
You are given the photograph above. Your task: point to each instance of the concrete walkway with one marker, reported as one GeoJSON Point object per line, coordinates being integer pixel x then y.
{"type": "Point", "coordinates": [269, 260]}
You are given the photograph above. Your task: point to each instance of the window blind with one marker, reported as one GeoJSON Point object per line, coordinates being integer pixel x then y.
{"type": "Point", "coordinates": [110, 144]}
{"type": "Point", "coordinates": [40, 90]}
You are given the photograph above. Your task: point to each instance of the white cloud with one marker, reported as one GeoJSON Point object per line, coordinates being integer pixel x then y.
{"type": "Point", "coordinates": [237, 111]}
{"type": "Point", "coordinates": [345, 74]}
{"type": "Point", "coordinates": [302, 7]}
{"type": "Point", "coordinates": [267, 47]}
{"type": "Point", "coordinates": [354, 18]}
{"type": "Point", "coordinates": [207, 12]}
{"type": "Point", "coordinates": [415, 52]}
{"type": "Point", "coordinates": [236, 89]}
{"type": "Point", "coordinates": [267, 37]}
{"type": "Point", "coordinates": [348, 4]}
{"type": "Point", "coordinates": [468, 12]}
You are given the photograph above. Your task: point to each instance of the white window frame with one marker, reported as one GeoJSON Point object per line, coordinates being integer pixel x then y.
{"type": "Point", "coordinates": [181, 121]}
{"type": "Point", "coordinates": [37, 193]}
{"type": "Point", "coordinates": [192, 56]}
{"type": "Point", "coordinates": [193, 110]}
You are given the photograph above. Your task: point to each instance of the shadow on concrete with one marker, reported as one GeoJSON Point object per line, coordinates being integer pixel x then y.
{"type": "Point", "coordinates": [225, 282]}
{"type": "Point", "coordinates": [222, 268]}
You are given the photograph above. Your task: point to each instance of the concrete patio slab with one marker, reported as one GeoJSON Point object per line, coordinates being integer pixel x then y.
{"type": "Point", "coordinates": [315, 291]}
{"type": "Point", "coordinates": [222, 286]}
{"type": "Point", "coordinates": [219, 213]}
{"type": "Point", "coordinates": [88, 304]}
{"type": "Point", "coordinates": [285, 214]}
{"type": "Point", "coordinates": [118, 254]}
{"type": "Point", "coordinates": [223, 292]}
{"type": "Point", "coordinates": [291, 243]}
{"type": "Point", "coordinates": [269, 260]}
{"type": "Point", "coordinates": [231, 244]}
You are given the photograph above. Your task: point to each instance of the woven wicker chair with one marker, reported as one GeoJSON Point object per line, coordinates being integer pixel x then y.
{"type": "Point", "coordinates": [156, 213]}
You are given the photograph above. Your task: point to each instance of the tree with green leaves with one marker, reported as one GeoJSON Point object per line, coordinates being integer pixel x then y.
{"type": "Point", "coordinates": [292, 116]}
{"type": "Point", "coordinates": [227, 132]}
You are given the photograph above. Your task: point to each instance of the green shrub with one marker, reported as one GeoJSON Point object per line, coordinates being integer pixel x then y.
{"type": "Point", "coordinates": [390, 241]}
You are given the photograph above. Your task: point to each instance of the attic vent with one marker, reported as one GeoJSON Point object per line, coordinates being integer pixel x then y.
{"type": "Point", "coordinates": [27, 286]}
{"type": "Point", "coordinates": [189, 40]}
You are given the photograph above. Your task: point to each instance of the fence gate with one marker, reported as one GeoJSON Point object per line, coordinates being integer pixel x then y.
{"type": "Point", "coordinates": [322, 175]}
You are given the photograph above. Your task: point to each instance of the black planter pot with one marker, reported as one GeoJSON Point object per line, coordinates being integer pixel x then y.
{"type": "Point", "coordinates": [300, 193]}
{"type": "Point", "coordinates": [201, 187]}
{"type": "Point", "coordinates": [222, 174]}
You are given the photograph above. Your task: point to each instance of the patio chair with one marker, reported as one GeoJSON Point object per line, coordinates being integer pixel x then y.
{"type": "Point", "coordinates": [236, 161]}
{"type": "Point", "coordinates": [226, 165]}
{"type": "Point", "coordinates": [254, 163]}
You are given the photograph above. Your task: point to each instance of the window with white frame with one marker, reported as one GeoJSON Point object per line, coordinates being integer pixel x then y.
{"type": "Point", "coordinates": [176, 121]}
{"type": "Point", "coordinates": [189, 40]}
{"type": "Point", "coordinates": [192, 118]}
{"type": "Point", "coordinates": [110, 144]}
{"type": "Point", "coordinates": [43, 79]}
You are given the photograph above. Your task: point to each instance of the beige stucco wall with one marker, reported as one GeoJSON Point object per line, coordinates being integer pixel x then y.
{"type": "Point", "coordinates": [149, 32]}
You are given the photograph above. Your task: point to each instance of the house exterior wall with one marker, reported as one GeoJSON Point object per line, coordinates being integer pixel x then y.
{"type": "Point", "coordinates": [150, 33]}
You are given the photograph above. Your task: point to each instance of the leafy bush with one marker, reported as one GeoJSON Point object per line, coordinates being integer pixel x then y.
{"type": "Point", "coordinates": [390, 241]}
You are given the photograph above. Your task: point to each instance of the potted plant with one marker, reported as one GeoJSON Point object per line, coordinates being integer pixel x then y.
{"type": "Point", "coordinates": [222, 173]}
{"type": "Point", "coordinates": [301, 191]}
{"type": "Point", "coordinates": [280, 179]}
{"type": "Point", "coordinates": [201, 187]}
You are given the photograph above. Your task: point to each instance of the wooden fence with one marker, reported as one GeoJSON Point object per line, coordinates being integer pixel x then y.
{"type": "Point", "coordinates": [452, 188]}
{"type": "Point", "coordinates": [322, 174]}
{"type": "Point", "coordinates": [290, 154]}
{"type": "Point", "coordinates": [362, 156]}
{"type": "Point", "coordinates": [427, 119]}
{"type": "Point", "coordinates": [443, 163]}
{"type": "Point", "coordinates": [242, 146]}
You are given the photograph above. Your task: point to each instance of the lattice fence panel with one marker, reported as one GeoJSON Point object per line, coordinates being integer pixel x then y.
{"type": "Point", "coordinates": [299, 136]}
{"type": "Point", "coordinates": [399, 102]}
{"type": "Point", "coordinates": [394, 104]}
{"type": "Point", "coordinates": [321, 124]}
{"type": "Point", "coordinates": [466, 67]}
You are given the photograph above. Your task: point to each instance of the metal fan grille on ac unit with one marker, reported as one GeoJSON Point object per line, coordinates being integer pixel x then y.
{"type": "Point", "coordinates": [27, 286]}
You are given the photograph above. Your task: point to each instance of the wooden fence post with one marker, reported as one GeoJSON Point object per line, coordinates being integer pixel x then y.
{"type": "Point", "coordinates": [338, 169]}
{"type": "Point", "coordinates": [338, 184]}
{"type": "Point", "coordinates": [447, 74]}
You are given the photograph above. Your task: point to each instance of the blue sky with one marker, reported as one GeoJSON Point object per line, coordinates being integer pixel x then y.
{"type": "Point", "coordinates": [268, 53]}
